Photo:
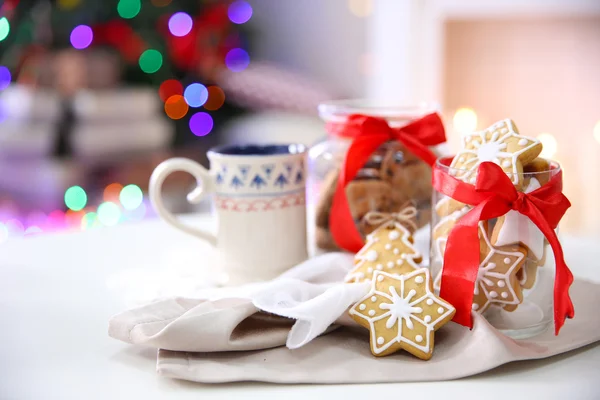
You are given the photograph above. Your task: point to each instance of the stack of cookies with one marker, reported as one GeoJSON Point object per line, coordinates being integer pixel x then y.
{"type": "Point", "coordinates": [512, 248]}
{"type": "Point", "coordinates": [392, 177]}
{"type": "Point", "coordinates": [401, 310]}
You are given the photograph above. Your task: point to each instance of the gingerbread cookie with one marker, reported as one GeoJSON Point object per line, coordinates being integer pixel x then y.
{"type": "Point", "coordinates": [497, 281]}
{"type": "Point", "coordinates": [389, 248]}
{"type": "Point", "coordinates": [447, 206]}
{"type": "Point", "coordinates": [517, 228]}
{"type": "Point", "coordinates": [539, 169]}
{"type": "Point", "coordinates": [410, 178]}
{"type": "Point", "coordinates": [501, 144]}
{"type": "Point", "coordinates": [401, 312]}
{"type": "Point", "coordinates": [368, 195]}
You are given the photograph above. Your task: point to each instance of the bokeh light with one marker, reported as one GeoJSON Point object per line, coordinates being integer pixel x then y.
{"type": "Point", "coordinates": [161, 3]}
{"type": "Point", "coordinates": [3, 233]}
{"type": "Point", "coordinates": [55, 220]}
{"type": "Point", "coordinates": [81, 37]}
{"type": "Point", "coordinates": [360, 8]}
{"type": "Point", "coordinates": [109, 213]}
{"type": "Point", "coordinates": [5, 77]}
{"type": "Point", "coordinates": [169, 88]}
{"type": "Point", "coordinates": [465, 120]}
{"type": "Point", "coordinates": [180, 24]}
{"type": "Point", "coordinates": [239, 12]}
{"type": "Point", "coordinates": [36, 218]}
{"type": "Point", "coordinates": [176, 107]}
{"type": "Point", "coordinates": [112, 192]}
{"type": "Point", "coordinates": [15, 227]}
{"type": "Point", "coordinates": [136, 214]}
{"type": "Point", "coordinates": [237, 59]}
{"type": "Point", "coordinates": [89, 220]}
{"type": "Point", "coordinates": [150, 61]}
{"type": "Point", "coordinates": [4, 28]}
{"type": "Point", "coordinates": [75, 198]}
{"type": "Point", "coordinates": [550, 145]}
{"type": "Point", "coordinates": [73, 218]}
{"type": "Point", "coordinates": [201, 124]}
{"type": "Point", "coordinates": [68, 4]}
{"type": "Point", "coordinates": [597, 132]}
{"type": "Point", "coordinates": [216, 98]}
{"type": "Point", "coordinates": [33, 230]}
{"type": "Point", "coordinates": [195, 94]}
{"type": "Point", "coordinates": [131, 197]}
{"type": "Point", "coordinates": [129, 8]}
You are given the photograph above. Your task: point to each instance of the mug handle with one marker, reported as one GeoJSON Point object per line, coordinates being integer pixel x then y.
{"type": "Point", "coordinates": [205, 185]}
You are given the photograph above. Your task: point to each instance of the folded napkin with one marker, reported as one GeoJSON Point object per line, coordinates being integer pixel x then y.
{"type": "Point", "coordinates": [293, 309]}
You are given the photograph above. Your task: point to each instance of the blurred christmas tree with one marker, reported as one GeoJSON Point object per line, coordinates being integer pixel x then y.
{"type": "Point", "coordinates": [179, 47]}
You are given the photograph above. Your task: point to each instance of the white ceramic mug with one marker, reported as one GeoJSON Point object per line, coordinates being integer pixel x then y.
{"type": "Point", "coordinates": [259, 196]}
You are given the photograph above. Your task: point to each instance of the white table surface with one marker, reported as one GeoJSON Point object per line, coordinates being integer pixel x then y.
{"type": "Point", "coordinates": [55, 302]}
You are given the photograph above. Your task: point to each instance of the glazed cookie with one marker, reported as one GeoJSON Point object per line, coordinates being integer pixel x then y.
{"type": "Point", "coordinates": [389, 248]}
{"type": "Point", "coordinates": [497, 281]}
{"type": "Point", "coordinates": [447, 206]}
{"type": "Point", "coordinates": [501, 144]}
{"type": "Point", "coordinates": [516, 228]}
{"type": "Point", "coordinates": [444, 227]}
{"type": "Point", "coordinates": [401, 312]}
{"type": "Point", "coordinates": [324, 240]}
{"type": "Point", "coordinates": [368, 195]}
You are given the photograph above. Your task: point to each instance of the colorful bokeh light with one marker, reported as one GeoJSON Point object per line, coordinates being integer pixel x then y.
{"type": "Point", "coordinates": [129, 8]}
{"type": "Point", "coordinates": [195, 94]}
{"type": "Point", "coordinates": [237, 59]}
{"type": "Point", "coordinates": [4, 28]}
{"type": "Point", "coordinates": [112, 192]}
{"type": "Point", "coordinates": [89, 220]}
{"type": "Point", "coordinates": [109, 213]}
{"type": "Point", "coordinates": [136, 214]}
{"type": "Point", "coordinates": [81, 37]}
{"type": "Point", "coordinates": [75, 198]}
{"type": "Point", "coordinates": [150, 61]}
{"type": "Point", "coordinates": [15, 227]}
{"type": "Point", "coordinates": [169, 88]}
{"type": "Point", "coordinates": [201, 124]}
{"type": "Point", "coordinates": [216, 98]}
{"type": "Point", "coordinates": [176, 107]}
{"type": "Point", "coordinates": [131, 197]}
{"type": "Point", "coordinates": [33, 230]}
{"type": "Point", "coordinates": [5, 77]}
{"type": "Point", "coordinates": [239, 12]}
{"type": "Point", "coordinates": [180, 24]}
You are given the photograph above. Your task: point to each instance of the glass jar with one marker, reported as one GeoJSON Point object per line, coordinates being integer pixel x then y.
{"type": "Point", "coordinates": [515, 284]}
{"type": "Point", "coordinates": [388, 180]}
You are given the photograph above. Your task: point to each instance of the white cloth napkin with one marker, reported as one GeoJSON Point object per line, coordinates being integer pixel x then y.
{"type": "Point", "coordinates": [224, 319]}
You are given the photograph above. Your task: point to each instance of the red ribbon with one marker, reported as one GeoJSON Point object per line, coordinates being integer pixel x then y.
{"type": "Point", "coordinates": [493, 195]}
{"type": "Point", "coordinates": [369, 133]}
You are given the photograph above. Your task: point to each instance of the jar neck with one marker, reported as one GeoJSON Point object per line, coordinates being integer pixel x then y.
{"type": "Point", "coordinates": [336, 115]}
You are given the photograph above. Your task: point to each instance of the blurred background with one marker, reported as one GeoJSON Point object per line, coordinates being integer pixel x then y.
{"type": "Point", "coordinates": [95, 93]}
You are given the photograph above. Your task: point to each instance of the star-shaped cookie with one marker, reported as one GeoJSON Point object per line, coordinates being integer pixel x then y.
{"type": "Point", "coordinates": [497, 281]}
{"type": "Point", "coordinates": [388, 248]}
{"type": "Point", "coordinates": [502, 144]}
{"type": "Point", "coordinates": [401, 312]}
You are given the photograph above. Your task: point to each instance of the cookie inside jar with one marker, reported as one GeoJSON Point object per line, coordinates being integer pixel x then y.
{"type": "Point", "coordinates": [387, 181]}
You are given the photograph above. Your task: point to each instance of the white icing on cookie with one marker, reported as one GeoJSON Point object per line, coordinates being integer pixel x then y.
{"type": "Point", "coordinates": [419, 279]}
{"type": "Point", "coordinates": [362, 307]}
{"type": "Point", "coordinates": [371, 255]}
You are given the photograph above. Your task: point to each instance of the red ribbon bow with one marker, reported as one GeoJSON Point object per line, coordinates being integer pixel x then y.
{"type": "Point", "coordinates": [369, 133]}
{"type": "Point", "coordinates": [492, 196]}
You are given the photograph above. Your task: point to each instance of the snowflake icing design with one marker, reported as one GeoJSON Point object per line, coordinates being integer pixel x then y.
{"type": "Point", "coordinates": [402, 312]}
{"type": "Point", "coordinates": [500, 144]}
{"type": "Point", "coordinates": [497, 280]}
